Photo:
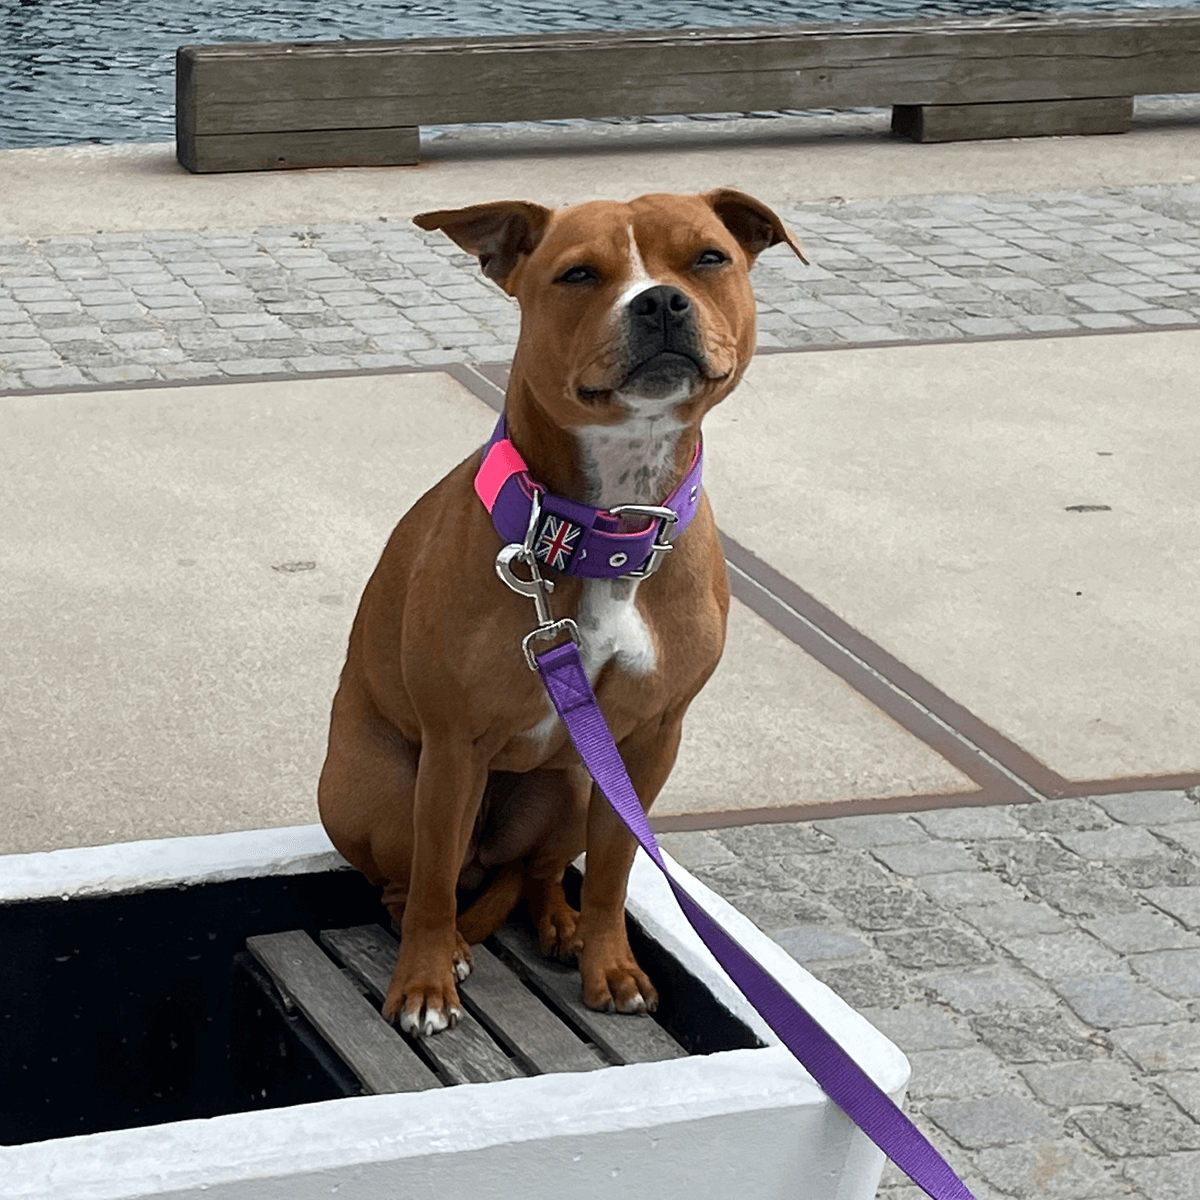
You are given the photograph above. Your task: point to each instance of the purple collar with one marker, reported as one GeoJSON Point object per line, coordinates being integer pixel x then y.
{"type": "Point", "coordinates": [575, 538]}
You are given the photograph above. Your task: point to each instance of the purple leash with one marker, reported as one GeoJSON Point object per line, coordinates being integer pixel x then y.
{"type": "Point", "coordinates": [558, 534]}
{"type": "Point", "coordinates": [842, 1079]}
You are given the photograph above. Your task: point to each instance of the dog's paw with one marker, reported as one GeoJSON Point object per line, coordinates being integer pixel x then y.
{"type": "Point", "coordinates": [423, 995]}
{"type": "Point", "coordinates": [618, 987]}
{"type": "Point", "coordinates": [558, 934]}
{"type": "Point", "coordinates": [423, 1011]}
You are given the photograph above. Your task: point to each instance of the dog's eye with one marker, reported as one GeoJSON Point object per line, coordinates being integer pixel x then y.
{"type": "Point", "coordinates": [578, 275]}
{"type": "Point", "coordinates": [711, 258]}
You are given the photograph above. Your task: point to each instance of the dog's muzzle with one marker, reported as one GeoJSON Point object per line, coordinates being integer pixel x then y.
{"type": "Point", "coordinates": [663, 345]}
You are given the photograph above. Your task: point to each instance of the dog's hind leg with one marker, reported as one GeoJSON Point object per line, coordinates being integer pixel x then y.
{"type": "Point", "coordinates": [486, 913]}
{"type": "Point", "coordinates": [365, 794]}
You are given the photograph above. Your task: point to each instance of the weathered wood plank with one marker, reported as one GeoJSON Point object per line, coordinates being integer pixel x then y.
{"type": "Point", "coordinates": [1036, 118]}
{"type": "Point", "coordinates": [623, 1038]}
{"type": "Point", "coordinates": [434, 81]}
{"type": "Point", "coordinates": [465, 1054]}
{"type": "Point", "coordinates": [530, 1030]}
{"type": "Point", "coordinates": [364, 1041]}
{"type": "Point", "coordinates": [294, 149]}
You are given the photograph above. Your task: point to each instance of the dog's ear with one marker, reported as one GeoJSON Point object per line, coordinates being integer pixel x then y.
{"type": "Point", "coordinates": [498, 234]}
{"type": "Point", "coordinates": [750, 221]}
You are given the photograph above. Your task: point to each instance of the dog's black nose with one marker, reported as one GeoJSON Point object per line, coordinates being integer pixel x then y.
{"type": "Point", "coordinates": [661, 303]}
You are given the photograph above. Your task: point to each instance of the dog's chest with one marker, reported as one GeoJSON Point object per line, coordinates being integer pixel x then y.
{"type": "Point", "coordinates": [630, 463]}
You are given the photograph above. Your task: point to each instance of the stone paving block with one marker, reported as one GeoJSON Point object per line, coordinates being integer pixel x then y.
{"type": "Point", "coordinates": [1186, 835]}
{"type": "Point", "coordinates": [1175, 973]}
{"type": "Point", "coordinates": [1141, 931]}
{"type": "Point", "coordinates": [1105, 320]}
{"type": "Point", "coordinates": [129, 373]}
{"type": "Point", "coordinates": [26, 361]}
{"type": "Point", "coordinates": [958, 1074]}
{"type": "Point", "coordinates": [1063, 1085]}
{"type": "Point", "coordinates": [929, 858]}
{"type": "Point", "coordinates": [695, 849]}
{"type": "Point", "coordinates": [1150, 808]}
{"type": "Point", "coordinates": [1039, 1035]}
{"type": "Point", "coordinates": [957, 889]}
{"type": "Point", "coordinates": [874, 830]}
{"type": "Point", "coordinates": [968, 824]}
{"type": "Point", "coordinates": [137, 339]}
{"type": "Point", "coordinates": [1015, 918]}
{"type": "Point", "coordinates": [988, 990]}
{"type": "Point", "coordinates": [1157, 1048]}
{"type": "Point", "coordinates": [1113, 845]}
{"type": "Point", "coordinates": [991, 1120]}
{"type": "Point", "coordinates": [939, 946]}
{"type": "Point", "coordinates": [1047, 323]}
{"type": "Point", "coordinates": [1062, 956]}
{"type": "Point", "coordinates": [773, 841]}
{"type": "Point", "coordinates": [1184, 1088]}
{"type": "Point", "coordinates": [106, 313]}
{"type": "Point", "coordinates": [324, 362]}
{"type": "Point", "coordinates": [1022, 861]}
{"type": "Point", "coordinates": [881, 908]}
{"type": "Point", "coordinates": [921, 1026]}
{"type": "Point", "coordinates": [1114, 1000]}
{"type": "Point", "coordinates": [1090, 894]}
{"type": "Point", "coordinates": [778, 910]}
{"type": "Point", "coordinates": [53, 377]}
{"type": "Point", "coordinates": [808, 943]}
{"type": "Point", "coordinates": [1169, 1178]}
{"type": "Point", "coordinates": [1056, 1169]}
{"type": "Point", "coordinates": [864, 985]}
{"type": "Point", "coordinates": [1182, 903]}
{"type": "Point", "coordinates": [402, 342]}
{"type": "Point", "coordinates": [1163, 316]}
{"type": "Point", "coordinates": [1154, 1128]}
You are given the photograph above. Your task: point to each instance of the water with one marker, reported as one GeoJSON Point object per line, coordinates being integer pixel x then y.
{"type": "Point", "coordinates": [102, 71]}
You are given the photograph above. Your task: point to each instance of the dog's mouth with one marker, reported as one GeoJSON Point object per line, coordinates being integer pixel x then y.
{"type": "Point", "coordinates": [656, 377]}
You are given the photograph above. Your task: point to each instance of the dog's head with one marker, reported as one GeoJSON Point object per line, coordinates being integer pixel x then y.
{"type": "Point", "coordinates": [625, 306]}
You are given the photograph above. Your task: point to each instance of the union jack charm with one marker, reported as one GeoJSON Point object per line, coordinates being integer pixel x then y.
{"type": "Point", "coordinates": [557, 541]}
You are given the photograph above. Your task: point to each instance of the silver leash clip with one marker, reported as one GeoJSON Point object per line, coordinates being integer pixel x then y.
{"type": "Point", "coordinates": [536, 587]}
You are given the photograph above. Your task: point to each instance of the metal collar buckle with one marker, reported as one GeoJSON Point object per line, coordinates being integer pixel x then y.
{"type": "Point", "coordinates": [666, 518]}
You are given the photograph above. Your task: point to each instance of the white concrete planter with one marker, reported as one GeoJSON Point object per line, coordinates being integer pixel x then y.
{"type": "Point", "coordinates": [732, 1125]}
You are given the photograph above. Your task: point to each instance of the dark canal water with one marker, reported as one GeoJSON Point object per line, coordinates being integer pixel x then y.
{"type": "Point", "coordinates": [103, 71]}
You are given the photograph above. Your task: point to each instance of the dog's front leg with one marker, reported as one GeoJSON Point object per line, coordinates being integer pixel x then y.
{"type": "Point", "coordinates": [612, 979]}
{"type": "Point", "coordinates": [423, 995]}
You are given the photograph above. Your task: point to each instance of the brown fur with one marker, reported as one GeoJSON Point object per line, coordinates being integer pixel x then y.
{"type": "Point", "coordinates": [431, 786]}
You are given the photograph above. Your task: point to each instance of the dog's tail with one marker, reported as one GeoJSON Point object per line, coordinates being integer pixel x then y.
{"type": "Point", "coordinates": [490, 910]}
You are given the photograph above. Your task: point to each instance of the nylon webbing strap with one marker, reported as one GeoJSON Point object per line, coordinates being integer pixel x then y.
{"type": "Point", "coordinates": [842, 1079]}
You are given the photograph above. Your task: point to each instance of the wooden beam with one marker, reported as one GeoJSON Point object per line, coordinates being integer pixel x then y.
{"type": "Point", "coordinates": [360, 85]}
{"type": "Point", "coordinates": [530, 1030]}
{"type": "Point", "coordinates": [292, 149]}
{"type": "Point", "coordinates": [1030, 118]}
{"type": "Point", "coordinates": [465, 1054]}
{"type": "Point", "coordinates": [361, 1037]}
{"type": "Point", "coordinates": [624, 1038]}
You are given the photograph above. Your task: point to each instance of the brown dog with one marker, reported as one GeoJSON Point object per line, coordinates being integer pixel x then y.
{"type": "Point", "coordinates": [448, 775]}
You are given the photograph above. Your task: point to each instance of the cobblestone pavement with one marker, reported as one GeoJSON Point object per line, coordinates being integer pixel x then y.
{"type": "Point", "coordinates": [1039, 964]}
{"type": "Point", "coordinates": [117, 308]}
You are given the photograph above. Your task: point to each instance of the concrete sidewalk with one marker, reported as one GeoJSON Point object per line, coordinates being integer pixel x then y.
{"type": "Point", "coordinates": [962, 645]}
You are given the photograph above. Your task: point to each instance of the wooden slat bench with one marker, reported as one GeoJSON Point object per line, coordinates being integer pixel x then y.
{"type": "Point", "coordinates": [524, 1014]}
{"type": "Point", "coordinates": [261, 106]}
